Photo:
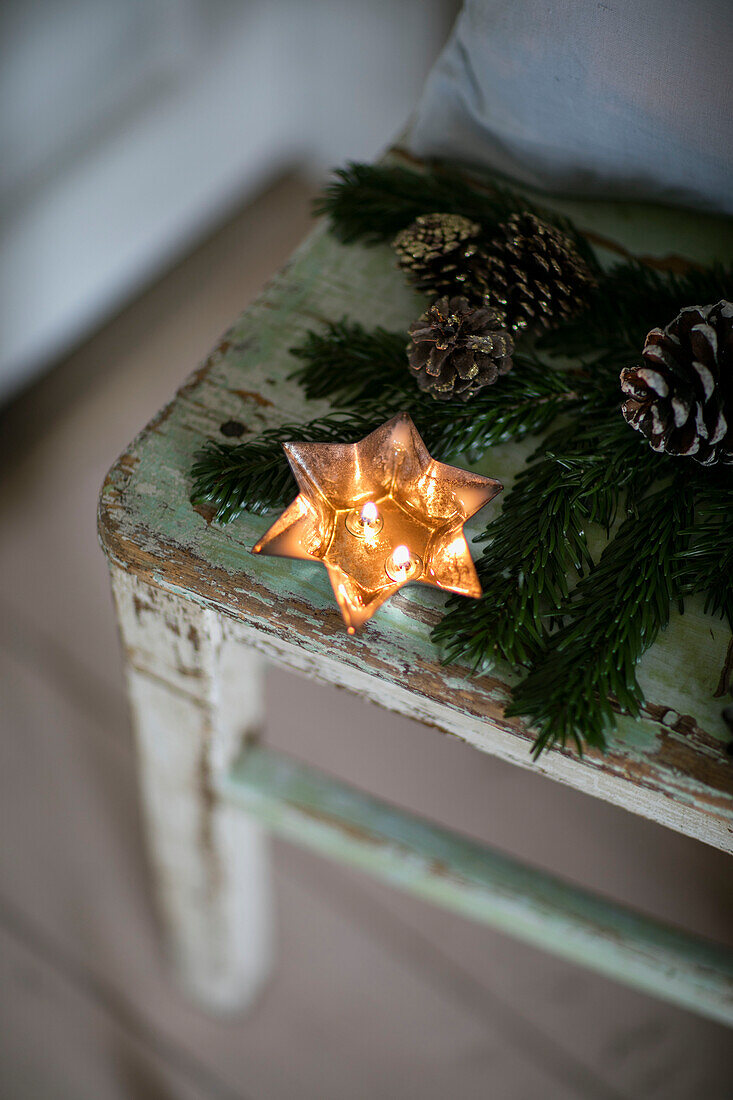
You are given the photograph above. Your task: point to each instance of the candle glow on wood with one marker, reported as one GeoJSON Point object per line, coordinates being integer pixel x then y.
{"type": "Point", "coordinates": [379, 514]}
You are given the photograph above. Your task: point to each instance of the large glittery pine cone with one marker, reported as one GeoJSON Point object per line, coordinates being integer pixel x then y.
{"type": "Point", "coordinates": [438, 252]}
{"type": "Point", "coordinates": [681, 396]}
{"type": "Point", "coordinates": [534, 274]}
{"type": "Point", "coordinates": [456, 349]}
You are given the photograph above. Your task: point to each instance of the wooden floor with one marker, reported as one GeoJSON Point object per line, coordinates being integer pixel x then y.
{"type": "Point", "coordinates": [374, 994]}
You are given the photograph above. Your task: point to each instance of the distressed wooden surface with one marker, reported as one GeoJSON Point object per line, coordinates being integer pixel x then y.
{"type": "Point", "coordinates": [306, 806]}
{"type": "Point", "coordinates": [193, 700]}
{"type": "Point", "coordinates": [670, 765]}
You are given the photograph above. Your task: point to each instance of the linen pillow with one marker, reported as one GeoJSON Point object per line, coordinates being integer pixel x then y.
{"type": "Point", "coordinates": [622, 99]}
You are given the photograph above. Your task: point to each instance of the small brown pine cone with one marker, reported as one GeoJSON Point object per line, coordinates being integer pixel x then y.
{"type": "Point", "coordinates": [455, 349]}
{"type": "Point", "coordinates": [534, 275]}
{"type": "Point", "coordinates": [681, 396]}
{"type": "Point", "coordinates": [438, 252]}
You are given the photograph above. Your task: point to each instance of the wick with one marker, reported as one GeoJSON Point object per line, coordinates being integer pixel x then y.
{"type": "Point", "coordinates": [401, 558]}
{"type": "Point", "coordinates": [369, 514]}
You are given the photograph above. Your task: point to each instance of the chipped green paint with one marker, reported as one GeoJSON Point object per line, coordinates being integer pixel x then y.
{"type": "Point", "coordinates": [307, 807]}
{"type": "Point", "coordinates": [670, 765]}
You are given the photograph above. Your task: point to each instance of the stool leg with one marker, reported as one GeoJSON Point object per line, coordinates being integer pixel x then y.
{"type": "Point", "coordinates": [194, 696]}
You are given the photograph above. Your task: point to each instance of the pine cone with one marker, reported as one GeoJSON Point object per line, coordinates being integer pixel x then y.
{"type": "Point", "coordinates": [457, 349]}
{"type": "Point", "coordinates": [438, 251]}
{"type": "Point", "coordinates": [534, 275]}
{"type": "Point", "coordinates": [681, 397]}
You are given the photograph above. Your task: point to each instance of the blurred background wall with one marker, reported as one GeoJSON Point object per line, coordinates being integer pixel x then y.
{"type": "Point", "coordinates": [128, 128]}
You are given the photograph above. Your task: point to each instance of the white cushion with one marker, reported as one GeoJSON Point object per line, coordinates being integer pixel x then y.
{"type": "Point", "coordinates": [627, 98]}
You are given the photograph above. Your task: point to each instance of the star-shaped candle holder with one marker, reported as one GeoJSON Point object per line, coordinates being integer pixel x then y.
{"type": "Point", "coordinates": [379, 514]}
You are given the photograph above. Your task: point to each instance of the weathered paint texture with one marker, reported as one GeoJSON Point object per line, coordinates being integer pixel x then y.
{"type": "Point", "coordinates": [194, 700]}
{"type": "Point", "coordinates": [670, 765]}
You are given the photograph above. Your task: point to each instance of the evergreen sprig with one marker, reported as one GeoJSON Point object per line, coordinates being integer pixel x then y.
{"type": "Point", "coordinates": [533, 545]}
{"type": "Point", "coordinates": [537, 546]}
{"type": "Point", "coordinates": [255, 474]}
{"type": "Point", "coordinates": [372, 203]}
{"type": "Point", "coordinates": [367, 372]}
{"type": "Point", "coordinates": [588, 668]}
{"type": "Point", "coordinates": [629, 300]}
{"type": "Point", "coordinates": [348, 364]}
{"type": "Point", "coordinates": [706, 561]}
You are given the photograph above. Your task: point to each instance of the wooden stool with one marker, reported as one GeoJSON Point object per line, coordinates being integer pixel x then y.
{"type": "Point", "coordinates": [199, 614]}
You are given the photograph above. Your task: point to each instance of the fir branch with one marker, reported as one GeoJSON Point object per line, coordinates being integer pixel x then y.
{"type": "Point", "coordinates": [537, 544]}
{"type": "Point", "coordinates": [347, 364]}
{"type": "Point", "coordinates": [255, 475]}
{"type": "Point", "coordinates": [706, 562]}
{"type": "Point", "coordinates": [629, 300]}
{"type": "Point", "coordinates": [533, 545]}
{"type": "Point", "coordinates": [372, 203]}
{"type": "Point", "coordinates": [603, 463]}
{"type": "Point", "coordinates": [615, 614]}
{"type": "Point", "coordinates": [538, 540]}
{"type": "Point", "coordinates": [525, 402]}
{"type": "Point", "coordinates": [368, 371]}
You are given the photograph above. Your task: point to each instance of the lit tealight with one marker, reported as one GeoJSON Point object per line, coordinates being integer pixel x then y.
{"type": "Point", "coordinates": [401, 557]}
{"type": "Point", "coordinates": [369, 514]}
{"type": "Point", "coordinates": [366, 522]}
{"type": "Point", "coordinates": [402, 564]}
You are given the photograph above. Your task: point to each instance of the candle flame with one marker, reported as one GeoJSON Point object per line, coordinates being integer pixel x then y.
{"type": "Point", "coordinates": [401, 557]}
{"type": "Point", "coordinates": [369, 513]}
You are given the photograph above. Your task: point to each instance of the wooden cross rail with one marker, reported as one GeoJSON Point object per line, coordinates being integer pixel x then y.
{"type": "Point", "coordinates": [307, 807]}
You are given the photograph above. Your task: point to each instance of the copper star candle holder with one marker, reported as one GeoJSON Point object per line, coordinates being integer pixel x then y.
{"type": "Point", "coordinates": [379, 514]}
